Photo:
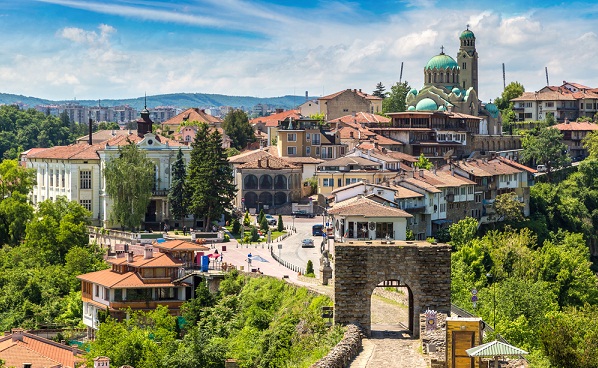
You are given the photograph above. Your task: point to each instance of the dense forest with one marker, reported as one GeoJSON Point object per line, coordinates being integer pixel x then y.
{"type": "Point", "coordinates": [259, 321]}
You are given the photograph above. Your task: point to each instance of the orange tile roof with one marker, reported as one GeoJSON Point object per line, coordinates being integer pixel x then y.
{"type": "Point", "coordinates": [180, 245]}
{"type": "Point", "coordinates": [37, 350]}
{"type": "Point", "coordinates": [274, 119]}
{"type": "Point", "coordinates": [193, 114]}
{"type": "Point", "coordinates": [401, 156]}
{"type": "Point", "coordinates": [361, 118]}
{"type": "Point", "coordinates": [545, 96]}
{"type": "Point", "coordinates": [357, 92]}
{"type": "Point", "coordinates": [577, 126]}
{"type": "Point", "coordinates": [112, 279]}
{"type": "Point", "coordinates": [270, 162]}
{"type": "Point", "coordinates": [402, 192]}
{"type": "Point", "coordinates": [158, 260]}
{"type": "Point", "coordinates": [517, 165]}
{"type": "Point", "coordinates": [361, 206]}
{"type": "Point", "coordinates": [486, 168]}
{"type": "Point", "coordinates": [248, 156]}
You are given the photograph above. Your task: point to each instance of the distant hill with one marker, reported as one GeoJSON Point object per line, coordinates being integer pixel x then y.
{"type": "Point", "coordinates": [182, 100]}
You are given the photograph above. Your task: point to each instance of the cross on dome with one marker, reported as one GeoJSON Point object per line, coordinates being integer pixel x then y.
{"type": "Point", "coordinates": [442, 50]}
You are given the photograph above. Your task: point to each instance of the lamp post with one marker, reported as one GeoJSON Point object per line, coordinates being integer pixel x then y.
{"type": "Point", "coordinates": [491, 278]}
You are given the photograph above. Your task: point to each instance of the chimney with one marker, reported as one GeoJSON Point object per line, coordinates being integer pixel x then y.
{"type": "Point", "coordinates": [306, 96]}
{"type": "Point", "coordinates": [130, 257]}
{"type": "Point", "coordinates": [421, 173]}
{"type": "Point", "coordinates": [360, 90]}
{"type": "Point", "coordinates": [90, 130]}
{"type": "Point", "coordinates": [259, 162]}
{"type": "Point", "coordinates": [17, 334]}
{"type": "Point", "coordinates": [148, 252]}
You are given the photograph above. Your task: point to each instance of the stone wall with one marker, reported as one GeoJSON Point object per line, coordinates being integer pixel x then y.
{"type": "Point", "coordinates": [423, 267]}
{"type": "Point", "coordinates": [344, 351]}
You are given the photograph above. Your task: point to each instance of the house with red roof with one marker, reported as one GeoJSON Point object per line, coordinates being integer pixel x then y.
{"type": "Point", "coordinates": [574, 132]}
{"type": "Point", "coordinates": [20, 348]}
{"type": "Point", "coordinates": [140, 279]}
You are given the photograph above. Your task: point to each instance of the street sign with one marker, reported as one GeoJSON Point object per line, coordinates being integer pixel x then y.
{"type": "Point", "coordinates": [474, 298]}
{"type": "Point", "coordinates": [474, 291]}
{"type": "Point", "coordinates": [242, 199]}
{"type": "Point", "coordinates": [279, 246]}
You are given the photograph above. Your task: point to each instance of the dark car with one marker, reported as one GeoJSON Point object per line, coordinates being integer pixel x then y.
{"type": "Point", "coordinates": [302, 213]}
{"type": "Point", "coordinates": [317, 230]}
{"type": "Point", "coordinates": [307, 243]}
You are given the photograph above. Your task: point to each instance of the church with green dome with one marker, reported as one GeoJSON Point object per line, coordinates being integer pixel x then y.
{"type": "Point", "coordinates": [445, 118]}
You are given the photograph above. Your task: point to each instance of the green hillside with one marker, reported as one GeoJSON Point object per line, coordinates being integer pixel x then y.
{"type": "Point", "coordinates": [182, 100]}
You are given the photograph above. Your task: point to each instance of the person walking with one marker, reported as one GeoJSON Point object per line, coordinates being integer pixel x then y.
{"type": "Point", "coordinates": [184, 230]}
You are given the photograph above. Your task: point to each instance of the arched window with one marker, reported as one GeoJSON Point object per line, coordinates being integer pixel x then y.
{"type": "Point", "coordinates": [265, 182]}
{"type": "Point", "coordinates": [250, 182]}
{"type": "Point", "coordinates": [280, 182]}
{"type": "Point", "coordinates": [280, 198]}
{"type": "Point", "coordinates": [265, 199]}
{"type": "Point", "coordinates": [250, 200]}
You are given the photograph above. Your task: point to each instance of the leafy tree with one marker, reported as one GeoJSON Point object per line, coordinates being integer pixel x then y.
{"type": "Point", "coordinates": [129, 183]}
{"type": "Point", "coordinates": [104, 125]}
{"type": "Point", "coordinates": [423, 162]}
{"type": "Point", "coordinates": [176, 194]}
{"type": "Point", "coordinates": [508, 207]}
{"type": "Point", "coordinates": [550, 120]}
{"type": "Point", "coordinates": [237, 127]}
{"type": "Point", "coordinates": [380, 90]}
{"type": "Point", "coordinates": [395, 102]}
{"type": "Point", "coordinates": [320, 117]}
{"type": "Point", "coordinates": [546, 148]}
{"type": "Point", "coordinates": [209, 185]}
{"type": "Point", "coordinates": [463, 231]}
{"type": "Point", "coordinates": [511, 91]}
{"type": "Point", "coordinates": [232, 151]}
{"type": "Point", "coordinates": [280, 226]}
{"type": "Point", "coordinates": [260, 216]}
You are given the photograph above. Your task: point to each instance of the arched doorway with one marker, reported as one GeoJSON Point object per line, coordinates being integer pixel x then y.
{"type": "Point", "coordinates": [360, 267]}
{"type": "Point", "coordinates": [398, 293]}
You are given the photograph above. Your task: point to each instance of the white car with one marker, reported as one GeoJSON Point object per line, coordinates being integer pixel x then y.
{"type": "Point", "coordinates": [541, 168]}
{"type": "Point", "coordinates": [271, 220]}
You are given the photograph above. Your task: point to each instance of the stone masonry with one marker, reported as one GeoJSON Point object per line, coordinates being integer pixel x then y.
{"type": "Point", "coordinates": [423, 267]}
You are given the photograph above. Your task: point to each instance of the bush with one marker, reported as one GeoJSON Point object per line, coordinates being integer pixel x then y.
{"type": "Point", "coordinates": [246, 219]}
{"type": "Point", "coordinates": [226, 238]}
{"type": "Point", "coordinates": [236, 229]}
{"type": "Point", "coordinates": [431, 240]}
{"type": "Point", "coordinates": [280, 226]}
{"type": "Point", "coordinates": [264, 224]}
{"type": "Point", "coordinates": [309, 269]}
{"type": "Point", "coordinates": [254, 235]}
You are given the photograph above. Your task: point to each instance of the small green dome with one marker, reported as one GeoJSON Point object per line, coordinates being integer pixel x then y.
{"type": "Point", "coordinates": [492, 109]}
{"type": "Point", "coordinates": [442, 61]}
{"type": "Point", "coordinates": [426, 104]}
{"type": "Point", "coordinates": [413, 91]}
{"type": "Point", "coordinates": [411, 108]}
{"type": "Point", "coordinates": [441, 108]}
{"type": "Point", "coordinates": [467, 34]}
{"type": "Point", "coordinates": [456, 91]}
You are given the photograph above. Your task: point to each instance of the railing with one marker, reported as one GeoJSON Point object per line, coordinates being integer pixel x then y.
{"type": "Point", "coordinates": [286, 264]}
{"type": "Point", "coordinates": [160, 192]}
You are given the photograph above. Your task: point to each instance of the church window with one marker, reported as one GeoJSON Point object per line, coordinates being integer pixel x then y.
{"type": "Point", "coordinates": [434, 77]}
{"type": "Point", "coordinates": [463, 84]}
{"type": "Point", "coordinates": [464, 66]}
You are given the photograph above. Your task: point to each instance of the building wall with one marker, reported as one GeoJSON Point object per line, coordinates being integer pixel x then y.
{"type": "Point", "coordinates": [353, 176]}
{"type": "Point", "coordinates": [348, 102]}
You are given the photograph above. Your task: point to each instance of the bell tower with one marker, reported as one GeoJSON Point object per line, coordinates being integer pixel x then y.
{"type": "Point", "coordinates": [468, 61]}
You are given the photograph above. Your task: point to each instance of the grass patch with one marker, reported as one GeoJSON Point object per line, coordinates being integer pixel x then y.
{"type": "Point", "coordinates": [390, 301]}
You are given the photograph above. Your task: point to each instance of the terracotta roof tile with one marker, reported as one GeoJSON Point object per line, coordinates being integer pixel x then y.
{"type": "Point", "coordinates": [361, 118]}
{"type": "Point", "coordinates": [357, 92]}
{"type": "Point", "coordinates": [193, 114]}
{"type": "Point", "coordinates": [577, 126]}
{"type": "Point", "coordinates": [248, 156]}
{"type": "Point", "coordinates": [274, 119]}
{"type": "Point", "coordinates": [112, 279]}
{"type": "Point", "coordinates": [485, 168]}
{"type": "Point", "coordinates": [269, 162]}
{"type": "Point", "coordinates": [361, 206]}
{"type": "Point", "coordinates": [350, 160]}
{"type": "Point", "coordinates": [37, 350]}
{"type": "Point", "coordinates": [180, 245]}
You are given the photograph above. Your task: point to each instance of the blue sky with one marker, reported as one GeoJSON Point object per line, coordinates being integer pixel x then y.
{"type": "Point", "coordinates": [98, 49]}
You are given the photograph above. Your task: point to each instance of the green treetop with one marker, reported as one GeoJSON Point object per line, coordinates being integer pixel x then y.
{"type": "Point", "coordinates": [380, 90]}
{"type": "Point", "coordinates": [129, 183]}
{"type": "Point", "coordinates": [546, 148]}
{"type": "Point", "coordinates": [395, 102]}
{"type": "Point", "coordinates": [237, 127]}
{"type": "Point", "coordinates": [176, 195]}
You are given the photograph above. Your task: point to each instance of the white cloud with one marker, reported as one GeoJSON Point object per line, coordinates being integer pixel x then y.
{"type": "Point", "coordinates": [90, 38]}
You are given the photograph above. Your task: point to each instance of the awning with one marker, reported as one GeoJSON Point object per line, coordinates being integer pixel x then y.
{"type": "Point", "coordinates": [441, 222]}
{"type": "Point", "coordinates": [493, 349]}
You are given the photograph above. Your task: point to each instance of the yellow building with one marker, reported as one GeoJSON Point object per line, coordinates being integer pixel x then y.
{"type": "Point", "coordinates": [347, 170]}
{"type": "Point", "coordinates": [306, 138]}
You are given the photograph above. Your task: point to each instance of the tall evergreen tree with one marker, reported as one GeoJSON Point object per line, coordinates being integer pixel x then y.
{"type": "Point", "coordinates": [209, 185]}
{"type": "Point", "coordinates": [176, 195]}
{"type": "Point", "coordinates": [380, 90]}
{"type": "Point", "coordinates": [129, 183]}
{"type": "Point", "coordinates": [237, 127]}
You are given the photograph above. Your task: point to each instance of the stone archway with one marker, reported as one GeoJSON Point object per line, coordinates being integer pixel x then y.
{"type": "Point", "coordinates": [360, 267]}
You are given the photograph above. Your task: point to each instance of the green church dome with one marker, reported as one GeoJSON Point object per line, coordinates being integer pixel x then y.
{"type": "Point", "coordinates": [467, 34]}
{"type": "Point", "coordinates": [442, 61]}
{"type": "Point", "coordinates": [411, 108]}
{"type": "Point", "coordinates": [441, 108]}
{"type": "Point", "coordinates": [492, 109]}
{"type": "Point", "coordinates": [426, 104]}
{"type": "Point", "coordinates": [456, 91]}
{"type": "Point", "coordinates": [413, 91]}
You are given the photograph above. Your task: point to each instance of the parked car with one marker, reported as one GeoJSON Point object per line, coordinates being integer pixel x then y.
{"type": "Point", "coordinates": [317, 230]}
{"type": "Point", "coordinates": [307, 243]}
{"type": "Point", "coordinates": [271, 220]}
{"type": "Point", "coordinates": [541, 168]}
{"type": "Point", "coordinates": [302, 213]}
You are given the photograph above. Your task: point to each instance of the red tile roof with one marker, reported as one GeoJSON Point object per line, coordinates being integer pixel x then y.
{"type": "Point", "coordinates": [270, 162]}
{"type": "Point", "coordinates": [193, 114]}
{"type": "Point", "coordinates": [180, 245]}
{"type": "Point", "coordinates": [577, 126]}
{"type": "Point", "coordinates": [21, 347]}
{"type": "Point", "coordinates": [361, 118]}
{"type": "Point", "coordinates": [357, 92]}
{"type": "Point", "coordinates": [158, 259]}
{"type": "Point", "coordinates": [274, 119]}
{"type": "Point", "coordinates": [113, 279]}
{"type": "Point", "coordinates": [361, 206]}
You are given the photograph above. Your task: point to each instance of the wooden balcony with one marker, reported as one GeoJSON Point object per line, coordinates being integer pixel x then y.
{"type": "Point", "coordinates": [150, 304]}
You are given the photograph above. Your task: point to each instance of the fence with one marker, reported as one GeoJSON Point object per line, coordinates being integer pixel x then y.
{"type": "Point", "coordinates": [286, 264]}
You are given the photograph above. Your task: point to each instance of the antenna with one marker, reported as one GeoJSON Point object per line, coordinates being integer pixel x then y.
{"type": "Point", "coordinates": [401, 75]}
{"type": "Point", "coordinates": [546, 69]}
{"type": "Point", "coordinates": [504, 79]}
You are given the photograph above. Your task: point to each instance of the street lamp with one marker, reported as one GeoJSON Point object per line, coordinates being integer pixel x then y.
{"type": "Point", "coordinates": [491, 279]}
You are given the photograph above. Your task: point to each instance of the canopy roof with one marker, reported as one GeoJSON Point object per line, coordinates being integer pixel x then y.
{"type": "Point", "coordinates": [494, 348]}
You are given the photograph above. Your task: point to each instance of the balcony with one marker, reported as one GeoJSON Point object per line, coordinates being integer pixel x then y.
{"type": "Point", "coordinates": [160, 193]}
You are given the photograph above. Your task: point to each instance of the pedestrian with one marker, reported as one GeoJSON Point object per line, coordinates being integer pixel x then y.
{"type": "Point", "coordinates": [184, 230]}
{"type": "Point", "coordinates": [221, 254]}
{"type": "Point", "coordinates": [165, 228]}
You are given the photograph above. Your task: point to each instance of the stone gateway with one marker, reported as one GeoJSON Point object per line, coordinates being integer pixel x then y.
{"type": "Point", "coordinates": [424, 268]}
